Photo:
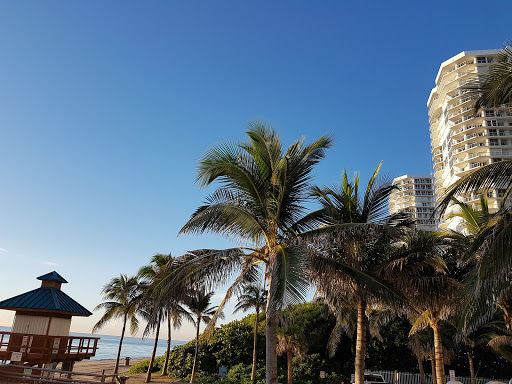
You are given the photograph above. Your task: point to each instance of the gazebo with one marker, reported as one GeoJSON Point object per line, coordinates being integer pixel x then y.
{"type": "Point", "coordinates": [40, 330]}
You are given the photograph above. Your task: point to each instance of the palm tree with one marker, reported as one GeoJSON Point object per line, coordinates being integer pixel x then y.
{"type": "Point", "coordinates": [176, 313]}
{"type": "Point", "coordinates": [495, 87]}
{"type": "Point", "coordinates": [123, 294]}
{"type": "Point", "coordinates": [151, 274]}
{"type": "Point", "coordinates": [161, 304]}
{"type": "Point", "coordinates": [420, 345]}
{"type": "Point", "coordinates": [200, 307]}
{"type": "Point", "coordinates": [488, 282]}
{"type": "Point", "coordinates": [430, 291]}
{"type": "Point", "coordinates": [260, 201]}
{"type": "Point", "coordinates": [353, 247]}
{"type": "Point", "coordinates": [253, 298]}
{"type": "Point", "coordinates": [291, 342]}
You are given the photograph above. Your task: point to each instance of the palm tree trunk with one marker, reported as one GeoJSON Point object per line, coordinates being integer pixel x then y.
{"type": "Point", "coordinates": [168, 351]}
{"type": "Point", "coordinates": [193, 376]}
{"type": "Point", "coordinates": [271, 334]}
{"type": "Point", "coordinates": [289, 358]}
{"type": "Point", "coordinates": [471, 367]}
{"type": "Point", "coordinates": [254, 357]}
{"type": "Point", "coordinates": [422, 370]}
{"type": "Point", "coordinates": [271, 331]}
{"type": "Point", "coordinates": [360, 341]}
{"type": "Point", "coordinates": [438, 348]}
{"type": "Point", "coordinates": [152, 361]}
{"type": "Point", "coordinates": [433, 365]}
{"type": "Point", "coordinates": [116, 369]}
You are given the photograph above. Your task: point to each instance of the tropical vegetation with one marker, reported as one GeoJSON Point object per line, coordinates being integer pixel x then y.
{"type": "Point", "coordinates": [383, 288]}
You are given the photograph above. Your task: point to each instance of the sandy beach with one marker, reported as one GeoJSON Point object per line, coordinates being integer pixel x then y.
{"type": "Point", "coordinates": [97, 366]}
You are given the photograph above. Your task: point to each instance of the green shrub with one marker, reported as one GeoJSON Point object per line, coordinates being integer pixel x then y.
{"type": "Point", "coordinates": [143, 366]}
{"type": "Point", "coordinates": [241, 373]}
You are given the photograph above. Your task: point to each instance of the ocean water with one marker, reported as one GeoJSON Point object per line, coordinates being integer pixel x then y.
{"type": "Point", "coordinates": [132, 346]}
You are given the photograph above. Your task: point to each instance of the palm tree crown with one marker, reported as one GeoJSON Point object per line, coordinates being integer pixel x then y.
{"type": "Point", "coordinates": [123, 294]}
{"type": "Point", "coordinates": [261, 201]}
{"type": "Point", "coordinates": [352, 247]}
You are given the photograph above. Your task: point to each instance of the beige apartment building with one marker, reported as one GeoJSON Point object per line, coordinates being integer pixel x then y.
{"type": "Point", "coordinates": [415, 196]}
{"type": "Point", "coordinates": [462, 140]}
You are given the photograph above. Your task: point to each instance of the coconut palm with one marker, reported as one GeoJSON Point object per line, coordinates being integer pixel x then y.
{"type": "Point", "coordinates": [160, 304]}
{"type": "Point", "coordinates": [151, 273]}
{"type": "Point", "coordinates": [488, 282]}
{"type": "Point", "coordinates": [290, 342]}
{"type": "Point", "coordinates": [260, 201]}
{"type": "Point", "coordinates": [255, 298]}
{"type": "Point", "coordinates": [123, 294]}
{"type": "Point", "coordinates": [353, 247]}
{"type": "Point", "coordinates": [495, 87]}
{"type": "Point", "coordinates": [176, 313]}
{"type": "Point", "coordinates": [345, 313]}
{"type": "Point", "coordinates": [431, 292]}
{"type": "Point", "coordinates": [422, 349]}
{"type": "Point", "coordinates": [202, 311]}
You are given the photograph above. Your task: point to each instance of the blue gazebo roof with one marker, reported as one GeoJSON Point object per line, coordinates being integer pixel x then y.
{"type": "Point", "coordinates": [46, 299]}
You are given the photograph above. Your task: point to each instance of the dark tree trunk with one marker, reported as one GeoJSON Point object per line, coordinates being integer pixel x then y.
{"type": "Point", "coordinates": [471, 367]}
{"type": "Point", "coordinates": [116, 369]}
{"type": "Point", "coordinates": [192, 378]}
{"type": "Point", "coordinates": [152, 361]}
{"type": "Point", "coordinates": [422, 370]}
{"type": "Point", "coordinates": [360, 341]}
{"type": "Point", "coordinates": [289, 358]}
{"type": "Point", "coordinates": [168, 351]}
{"type": "Point", "coordinates": [254, 357]}
{"type": "Point", "coordinates": [433, 364]}
{"type": "Point", "coordinates": [271, 336]}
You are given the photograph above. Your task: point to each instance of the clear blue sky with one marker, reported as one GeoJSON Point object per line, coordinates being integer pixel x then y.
{"type": "Point", "coordinates": [105, 108]}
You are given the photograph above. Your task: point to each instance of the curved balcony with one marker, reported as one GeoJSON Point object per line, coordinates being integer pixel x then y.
{"type": "Point", "coordinates": [469, 139]}
{"type": "Point", "coordinates": [467, 129]}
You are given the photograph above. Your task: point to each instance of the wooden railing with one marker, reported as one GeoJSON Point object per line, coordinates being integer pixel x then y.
{"type": "Point", "coordinates": [29, 347]}
{"type": "Point", "coordinates": [10, 373]}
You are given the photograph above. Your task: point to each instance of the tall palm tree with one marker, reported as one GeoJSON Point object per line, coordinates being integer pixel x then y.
{"type": "Point", "coordinates": [161, 304]}
{"type": "Point", "coordinates": [352, 247]}
{"type": "Point", "coordinates": [253, 298]}
{"type": "Point", "coordinates": [123, 294]}
{"type": "Point", "coordinates": [200, 307]}
{"type": "Point", "coordinates": [151, 274]}
{"type": "Point", "coordinates": [260, 201]}
{"type": "Point", "coordinates": [176, 313]}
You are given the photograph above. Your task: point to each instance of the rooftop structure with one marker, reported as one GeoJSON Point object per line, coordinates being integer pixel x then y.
{"type": "Point", "coordinates": [462, 140]}
{"type": "Point", "coordinates": [40, 331]}
{"type": "Point", "coordinates": [415, 196]}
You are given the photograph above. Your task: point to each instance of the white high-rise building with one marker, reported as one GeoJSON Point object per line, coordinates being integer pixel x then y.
{"type": "Point", "coordinates": [415, 196]}
{"type": "Point", "coordinates": [462, 140]}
